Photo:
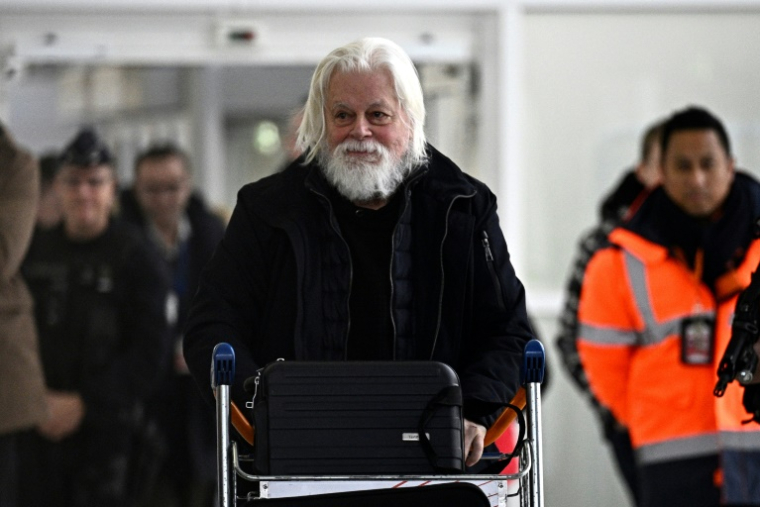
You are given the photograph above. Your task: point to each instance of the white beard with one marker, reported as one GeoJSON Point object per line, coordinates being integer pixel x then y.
{"type": "Point", "coordinates": [362, 181]}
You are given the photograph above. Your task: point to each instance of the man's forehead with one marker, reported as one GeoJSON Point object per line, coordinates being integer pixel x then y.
{"type": "Point", "coordinates": [163, 165]}
{"type": "Point", "coordinates": [338, 104]}
{"type": "Point", "coordinates": [85, 171]}
{"type": "Point", "coordinates": [694, 140]}
{"type": "Point", "coordinates": [375, 87]}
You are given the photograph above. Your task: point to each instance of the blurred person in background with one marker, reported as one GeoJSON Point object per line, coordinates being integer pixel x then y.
{"type": "Point", "coordinates": [49, 206]}
{"type": "Point", "coordinates": [621, 201]}
{"type": "Point", "coordinates": [100, 295]}
{"type": "Point", "coordinates": [22, 386]}
{"type": "Point", "coordinates": [176, 220]}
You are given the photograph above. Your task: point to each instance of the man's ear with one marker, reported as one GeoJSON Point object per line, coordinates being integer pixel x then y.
{"type": "Point", "coordinates": [115, 180]}
{"type": "Point", "coordinates": [639, 170]}
{"type": "Point", "coordinates": [661, 167]}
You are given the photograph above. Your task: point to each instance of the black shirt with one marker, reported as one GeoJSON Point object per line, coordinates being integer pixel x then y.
{"type": "Point", "coordinates": [369, 235]}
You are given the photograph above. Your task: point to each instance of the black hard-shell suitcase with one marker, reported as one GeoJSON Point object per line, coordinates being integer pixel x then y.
{"type": "Point", "coordinates": [459, 494]}
{"type": "Point", "coordinates": [358, 418]}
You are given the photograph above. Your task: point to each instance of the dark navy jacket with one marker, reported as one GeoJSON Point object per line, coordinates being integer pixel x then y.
{"type": "Point", "coordinates": [278, 285]}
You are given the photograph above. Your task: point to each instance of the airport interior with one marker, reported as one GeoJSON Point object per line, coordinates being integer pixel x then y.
{"type": "Point", "coordinates": [543, 100]}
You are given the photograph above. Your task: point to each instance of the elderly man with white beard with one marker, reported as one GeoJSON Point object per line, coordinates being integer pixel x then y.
{"type": "Point", "coordinates": [371, 246]}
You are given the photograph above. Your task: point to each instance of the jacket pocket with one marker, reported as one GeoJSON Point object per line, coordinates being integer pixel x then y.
{"type": "Point", "coordinates": [492, 271]}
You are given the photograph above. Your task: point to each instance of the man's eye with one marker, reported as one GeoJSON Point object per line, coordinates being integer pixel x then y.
{"type": "Point", "coordinates": [379, 117]}
{"type": "Point", "coordinates": [683, 165]}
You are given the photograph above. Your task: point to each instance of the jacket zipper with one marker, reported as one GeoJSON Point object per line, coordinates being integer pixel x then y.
{"type": "Point", "coordinates": [440, 294]}
{"type": "Point", "coordinates": [350, 270]}
{"type": "Point", "coordinates": [492, 270]}
{"type": "Point", "coordinates": [390, 273]}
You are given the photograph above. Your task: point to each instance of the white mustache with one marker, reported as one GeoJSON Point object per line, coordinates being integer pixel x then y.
{"type": "Point", "coordinates": [368, 146]}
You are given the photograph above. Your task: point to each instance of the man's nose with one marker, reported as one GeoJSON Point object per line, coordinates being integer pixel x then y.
{"type": "Point", "coordinates": [361, 128]}
{"type": "Point", "coordinates": [698, 178]}
{"type": "Point", "coordinates": [82, 189]}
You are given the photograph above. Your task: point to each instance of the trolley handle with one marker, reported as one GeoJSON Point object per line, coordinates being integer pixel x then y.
{"type": "Point", "coordinates": [222, 377]}
{"type": "Point", "coordinates": [222, 365]}
{"type": "Point", "coordinates": [533, 370]}
{"type": "Point", "coordinates": [534, 367]}
{"type": "Point", "coordinates": [223, 373]}
{"type": "Point", "coordinates": [506, 418]}
{"type": "Point", "coordinates": [534, 363]}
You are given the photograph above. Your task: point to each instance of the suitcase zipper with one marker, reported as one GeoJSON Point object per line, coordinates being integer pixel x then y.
{"type": "Point", "coordinates": [256, 383]}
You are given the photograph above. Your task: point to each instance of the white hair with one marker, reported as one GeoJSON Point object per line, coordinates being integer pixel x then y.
{"type": "Point", "coordinates": [364, 55]}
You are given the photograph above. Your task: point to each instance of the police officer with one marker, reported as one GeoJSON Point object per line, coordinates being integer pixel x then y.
{"type": "Point", "coordinates": [100, 295]}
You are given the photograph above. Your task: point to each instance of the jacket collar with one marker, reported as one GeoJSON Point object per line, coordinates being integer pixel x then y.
{"type": "Point", "coordinates": [641, 247]}
{"type": "Point", "coordinates": [667, 230]}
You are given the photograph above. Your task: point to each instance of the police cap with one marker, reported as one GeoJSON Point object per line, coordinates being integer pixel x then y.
{"type": "Point", "coordinates": [86, 150]}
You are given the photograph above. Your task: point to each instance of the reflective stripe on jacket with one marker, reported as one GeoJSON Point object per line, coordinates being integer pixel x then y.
{"type": "Point", "coordinates": [634, 300]}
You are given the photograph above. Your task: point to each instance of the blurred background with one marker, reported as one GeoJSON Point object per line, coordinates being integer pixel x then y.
{"type": "Point", "coordinates": [544, 100]}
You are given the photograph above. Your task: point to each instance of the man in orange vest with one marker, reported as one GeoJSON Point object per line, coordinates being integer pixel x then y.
{"type": "Point", "coordinates": [655, 315]}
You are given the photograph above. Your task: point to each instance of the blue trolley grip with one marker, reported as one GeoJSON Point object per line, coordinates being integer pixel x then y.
{"type": "Point", "coordinates": [222, 377]}
{"type": "Point", "coordinates": [534, 363]}
{"type": "Point", "coordinates": [222, 365]}
{"type": "Point", "coordinates": [533, 369]}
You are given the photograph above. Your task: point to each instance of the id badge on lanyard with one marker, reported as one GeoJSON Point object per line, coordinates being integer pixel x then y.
{"type": "Point", "coordinates": [697, 340]}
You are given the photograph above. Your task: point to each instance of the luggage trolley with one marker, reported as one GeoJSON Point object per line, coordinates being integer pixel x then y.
{"type": "Point", "coordinates": [523, 488]}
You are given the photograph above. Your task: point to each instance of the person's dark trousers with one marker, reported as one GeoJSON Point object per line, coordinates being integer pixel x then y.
{"type": "Point", "coordinates": [87, 469]}
{"type": "Point", "coordinates": [741, 478]}
{"type": "Point", "coordinates": [8, 473]}
{"type": "Point", "coordinates": [680, 483]}
{"type": "Point", "coordinates": [620, 442]}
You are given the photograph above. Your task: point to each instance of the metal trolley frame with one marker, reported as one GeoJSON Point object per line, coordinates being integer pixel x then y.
{"type": "Point", "coordinates": [524, 488]}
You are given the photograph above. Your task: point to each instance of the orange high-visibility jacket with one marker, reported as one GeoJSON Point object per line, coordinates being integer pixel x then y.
{"type": "Point", "coordinates": [634, 299]}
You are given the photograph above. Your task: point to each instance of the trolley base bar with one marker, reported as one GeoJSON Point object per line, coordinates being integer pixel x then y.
{"type": "Point", "coordinates": [500, 492]}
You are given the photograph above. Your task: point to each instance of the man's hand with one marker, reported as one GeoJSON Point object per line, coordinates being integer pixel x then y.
{"type": "Point", "coordinates": [474, 436]}
{"type": "Point", "coordinates": [65, 414]}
